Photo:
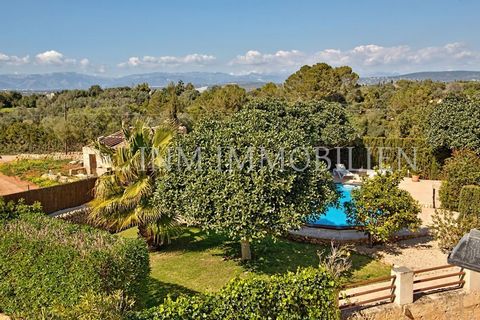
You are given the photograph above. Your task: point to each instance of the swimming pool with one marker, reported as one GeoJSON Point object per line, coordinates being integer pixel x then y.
{"type": "Point", "coordinates": [335, 217]}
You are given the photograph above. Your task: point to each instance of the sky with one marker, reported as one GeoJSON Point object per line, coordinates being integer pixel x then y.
{"type": "Point", "coordinates": [113, 38]}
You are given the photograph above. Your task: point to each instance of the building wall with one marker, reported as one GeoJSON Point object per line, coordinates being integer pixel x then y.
{"type": "Point", "coordinates": [102, 165]}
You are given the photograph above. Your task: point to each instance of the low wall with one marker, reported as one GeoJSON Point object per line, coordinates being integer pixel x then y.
{"type": "Point", "coordinates": [456, 305]}
{"type": "Point", "coordinates": [58, 197]}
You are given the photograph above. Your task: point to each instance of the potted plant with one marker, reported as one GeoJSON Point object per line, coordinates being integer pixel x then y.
{"type": "Point", "coordinates": [415, 175]}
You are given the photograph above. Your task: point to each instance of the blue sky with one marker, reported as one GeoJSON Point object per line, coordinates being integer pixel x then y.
{"type": "Point", "coordinates": [125, 37]}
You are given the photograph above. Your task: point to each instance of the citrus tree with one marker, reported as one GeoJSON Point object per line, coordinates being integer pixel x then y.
{"type": "Point", "coordinates": [253, 174]}
{"type": "Point", "coordinates": [380, 208]}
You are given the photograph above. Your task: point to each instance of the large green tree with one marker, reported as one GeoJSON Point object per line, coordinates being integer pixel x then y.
{"type": "Point", "coordinates": [321, 81]}
{"type": "Point", "coordinates": [228, 175]}
{"type": "Point", "coordinates": [218, 102]}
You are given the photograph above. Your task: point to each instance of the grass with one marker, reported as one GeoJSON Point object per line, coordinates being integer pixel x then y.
{"type": "Point", "coordinates": [32, 170]}
{"type": "Point", "coordinates": [201, 262]}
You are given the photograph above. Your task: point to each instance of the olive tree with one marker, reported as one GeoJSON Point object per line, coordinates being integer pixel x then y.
{"type": "Point", "coordinates": [253, 174]}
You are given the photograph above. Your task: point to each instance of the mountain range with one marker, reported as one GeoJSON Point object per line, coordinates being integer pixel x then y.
{"type": "Point", "coordinates": [440, 76]}
{"type": "Point", "coordinates": [73, 80]}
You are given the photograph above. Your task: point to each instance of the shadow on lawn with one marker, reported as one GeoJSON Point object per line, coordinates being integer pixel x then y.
{"type": "Point", "coordinates": [278, 256]}
{"type": "Point", "coordinates": [158, 291]}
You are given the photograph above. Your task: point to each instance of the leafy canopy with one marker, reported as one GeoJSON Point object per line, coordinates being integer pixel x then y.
{"type": "Point", "coordinates": [258, 198]}
{"type": "Point", "coordinates": [381, 208]}
{"type": "Point", "coordinates": [455, 124]}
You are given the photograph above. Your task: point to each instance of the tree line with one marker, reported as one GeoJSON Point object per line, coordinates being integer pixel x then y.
{"type": "Point", "coordinates": [70, 119]}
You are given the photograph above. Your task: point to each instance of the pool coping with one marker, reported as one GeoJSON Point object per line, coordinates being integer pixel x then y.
{"type": "Point", "coordinates": [324, 235]}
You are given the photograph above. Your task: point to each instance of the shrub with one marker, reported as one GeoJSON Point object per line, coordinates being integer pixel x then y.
{"type": "Point", "coordinates": [469, 203]}
{"type": "Point", "coordinates": [93, 306]}
{"type": "Point", "coordinates": [460, 170]}
{"type": "Point", "coordinates": [47, 265]}
{"type": "Point", "coordinates": [381, 208]}
{"type": "Point", "coordinates": [12, 210]}
{"type": "Point", "coordinates": [447, 229]}
{"type": "Point", "coordinates": [307, 294]}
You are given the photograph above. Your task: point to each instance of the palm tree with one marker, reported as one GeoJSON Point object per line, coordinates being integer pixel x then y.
{"type": "Point", "coordinates": [122, 196]}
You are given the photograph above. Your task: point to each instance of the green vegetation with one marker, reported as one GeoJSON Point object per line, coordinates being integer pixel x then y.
{"type": "Point", "coordinates": [12, 210]}
{"type": "Point", "coordinates": [48, 267]}
{"type": "Point", "coordinates": [32, 170]}
{"type": "Point", "coordinates": [448, 227]}
{"type": "Point", "coordinates": [381, 208]}
{"type": "Point", "coordinates": [248, 194]}
{"type": "Point", "coordinates": [461, 170]}
{"type": "Point", "coordinates": [36, 123]}
{"type": "Point", "coordinates": [454, 124]}
{"type": "Point", "coordinates": [122, 196]}
{"type": "Point", "coordinates": [469, 203]}
{"type": "Point", "coordinates": [415, 152]}
{"type": "Point", "coordinates": [322, 82]}
{"type": "Point", "coordinates": [307, 294]}
{"type": "Point", "coordinates": [199, 262]}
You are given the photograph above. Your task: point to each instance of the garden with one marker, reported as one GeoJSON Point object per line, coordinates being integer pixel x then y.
{"type": "Point", "coordinates": [197, 225]}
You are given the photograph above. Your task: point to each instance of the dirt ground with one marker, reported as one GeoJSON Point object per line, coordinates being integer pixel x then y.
{"type": "Point", "coordinates": [10, 185]}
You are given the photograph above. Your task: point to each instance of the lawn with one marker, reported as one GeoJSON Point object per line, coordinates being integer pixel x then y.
{"type": "Point", "coordinates": [32, 170]}
{"type": "Point", "coordinates": [201, 262]}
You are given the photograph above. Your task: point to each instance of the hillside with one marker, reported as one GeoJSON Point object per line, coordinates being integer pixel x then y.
{"type": "Point", "coordinates": [73, 80]}
{"type": "Point", "coordinates": [440, 76]}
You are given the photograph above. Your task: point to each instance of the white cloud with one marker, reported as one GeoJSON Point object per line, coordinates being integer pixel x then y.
{"type": "Point", "coordinates": [364, 58]}
{"type": "Point", "coordinates": [403, 58]}
{"type": "Point", "coordinates": [84, 62]}
{"type": "Point", "coordinates": [279, 58]}
{"type": "Point", "coordinates": [53, 57]}
{"type": "Point", "coordinates": [13, 60]}
{"type": "Point", "coordinates": [193, 59]}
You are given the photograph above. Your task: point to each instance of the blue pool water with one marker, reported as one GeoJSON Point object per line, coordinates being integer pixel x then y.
{"type": "Point", "coordinates": [335, 217]}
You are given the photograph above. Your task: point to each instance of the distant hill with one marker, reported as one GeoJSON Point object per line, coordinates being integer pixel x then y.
{"type": "Point", "coordinates": [73, 80]}
{"type": "Point", "coordinates": [440, 76]}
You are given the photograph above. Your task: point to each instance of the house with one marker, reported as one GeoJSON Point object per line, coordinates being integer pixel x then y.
{"type": "Point", "coordinates": [96, 164]}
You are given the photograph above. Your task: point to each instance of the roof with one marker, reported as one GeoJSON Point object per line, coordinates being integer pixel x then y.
{"type": "Point", "coordinates": [112, 140]}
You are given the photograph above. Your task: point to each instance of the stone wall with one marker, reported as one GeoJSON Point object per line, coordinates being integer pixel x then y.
{"type": "Point", "coordinates": [450, 305]}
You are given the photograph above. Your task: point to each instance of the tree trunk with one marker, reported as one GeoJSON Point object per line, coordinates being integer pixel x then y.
{"type": "Point", "coordinates": [370, 240]}
{"type": "Point", "coordinates": [246, 252]}
{"type": "Point", "coordinates": [143, 233]}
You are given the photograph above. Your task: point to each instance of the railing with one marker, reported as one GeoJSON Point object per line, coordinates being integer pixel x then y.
{"type": "Point", "coordinates": [403, 284]}
{"type": "Point", "coordinates": [344, 296]}
{"type": "Point", "coordinates": [453, 284]}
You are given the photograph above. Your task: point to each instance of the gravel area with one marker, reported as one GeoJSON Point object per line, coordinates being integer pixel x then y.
{"type": "Point", "coordinates": [417, 253]}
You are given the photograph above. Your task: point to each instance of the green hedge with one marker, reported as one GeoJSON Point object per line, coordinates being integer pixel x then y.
{"type": "Point", "coordinates": [425, 159]}
{"type": "Point", "coordinates": [461, 170]}
{"type": "Point", "coordinates": [469, 203]}
{"type": "Point", "coordinates": [307, 294]}
{"type": "Point", "coordinates": [48, 265]}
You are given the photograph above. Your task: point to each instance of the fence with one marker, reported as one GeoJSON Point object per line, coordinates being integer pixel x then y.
{"type": "Point", "coordinates": [404, 284]}
{"type": "Point", "coordinates": [58, 197]}
{"type": "Point", "coordinates": [355, 290]}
